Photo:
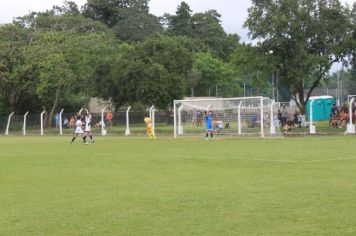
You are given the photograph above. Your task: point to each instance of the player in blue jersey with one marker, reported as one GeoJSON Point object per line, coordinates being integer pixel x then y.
{"type": "Point", "coordinates": [209, 124]}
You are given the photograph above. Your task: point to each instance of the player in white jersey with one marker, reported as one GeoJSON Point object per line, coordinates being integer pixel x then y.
{"type": "Point", "coordinates": [88, 119]}
{"type": "Point", "coordinates": [78, 129]}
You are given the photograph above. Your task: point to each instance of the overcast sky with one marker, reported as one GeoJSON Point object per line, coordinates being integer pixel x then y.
{"type": "Point", "coordinates": [233, 12]}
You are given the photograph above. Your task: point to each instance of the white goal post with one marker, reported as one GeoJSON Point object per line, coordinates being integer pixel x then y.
{"type": "Point", "coordinates": [231, 116]}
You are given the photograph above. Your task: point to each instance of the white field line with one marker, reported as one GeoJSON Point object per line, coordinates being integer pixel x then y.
{"type": "Point", "coordinates": [197, 157]}
{"type": "Point", "coordinates": [301, 161]}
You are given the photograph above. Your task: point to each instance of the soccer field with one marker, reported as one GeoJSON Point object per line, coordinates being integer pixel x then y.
{"type": "Point", "coordinates": [136, 186]}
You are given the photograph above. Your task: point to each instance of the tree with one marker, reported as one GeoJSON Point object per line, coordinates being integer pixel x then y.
{"type": "Point", "coordinates": [181, 22]}
{"type": "Point", "coordinates": [207, 27]}
{"type": "Point", "coordinates": [306, 37]}
{"type": "Point", "coordinates": [253, 66]}
{"type": "Point", "coordinates": [216, 75]}
{"type": "Point", "coordinates": [151, 72]}
{"type": "Point", "coordinates": [130, 19]}
{"type": "Point", "coordinates": [137, 26]}
{"type": "Point", "coordinates": [109, 12]}
{"type": "Point", "coordinates": [352, 41]}
{"type": "Point", "coordinates": [62, 53]}
{"type": "Point", "coordinates": [16, 82]}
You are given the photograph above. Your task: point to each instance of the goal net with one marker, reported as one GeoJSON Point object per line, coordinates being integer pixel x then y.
{"type": "Point", "coordinates": [231, 116]}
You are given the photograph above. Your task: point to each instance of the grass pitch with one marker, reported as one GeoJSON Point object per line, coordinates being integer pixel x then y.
{"type": "Point", "coordinates": [136, 186]}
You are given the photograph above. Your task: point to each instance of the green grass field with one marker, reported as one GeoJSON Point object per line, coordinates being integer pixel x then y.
{"type": "Point", "coordinates": [136, 186]}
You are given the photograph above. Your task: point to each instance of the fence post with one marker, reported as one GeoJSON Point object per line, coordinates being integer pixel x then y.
{"type": "Point", "coordinates": [8, 123]}
{"type": "Point", "coordinates": [153, 121]}
{"type": "Point", "coordinates": [350, 125]}
{"type": "Point", "coordinates": [24, 124]}
{"type": "Point", "coordinates": [103, 130]}
{"type": "Point", "coordinates": [239, 118]}
{"type": "Point", "coordinates": [127, 131]}
{"type": "Point", "coordinates": [42, 122]}
{"type": "Point", "coordinates": [60, 122]}
{"type": "Point", "coordinates": [312, 128]}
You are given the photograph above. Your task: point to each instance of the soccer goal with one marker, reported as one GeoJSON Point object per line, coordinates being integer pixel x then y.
{"type": "Point", "coordinates": [231, 116]}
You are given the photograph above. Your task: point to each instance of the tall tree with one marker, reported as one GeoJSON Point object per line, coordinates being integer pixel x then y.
{"type": "Point", "coordinates": [352, 41]}
{"type": "Point", "coordinates": [253, 67]}
{"type": "Point", "coordinates": [130, 19]}
{"type": "Point", "coordinates": [181, 22]}
{"type": "Point", "coordinates": [217, 78]}
{"type": "Point", "coordinates": [152, 72]}
{"type": "Point", "coordinates": [61, 54]}
{"type": "Point", "coordinates": [16, 82]}
{"type": "Point", "coordinates": [306, 37]}
{"type": "Point", "coordinates": [205, 26]}
{"type": "Point", "coordinates": [109, 12]}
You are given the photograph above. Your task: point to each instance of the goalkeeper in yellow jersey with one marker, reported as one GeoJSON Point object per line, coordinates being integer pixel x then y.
{"type": "Point", "coordinates": [149, 129]}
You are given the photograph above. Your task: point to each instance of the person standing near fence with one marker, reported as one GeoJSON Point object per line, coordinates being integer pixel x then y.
{"type": "Point", "coordinates": [108, 119]}
{"type": "Point", "coordinates": [72, 122]}
{"type": "Point", "coordinates": [56, 119]}
{"type": "Point", "coordinates": [284, 116]}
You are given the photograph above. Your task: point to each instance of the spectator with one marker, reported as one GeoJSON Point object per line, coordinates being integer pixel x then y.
{"type": "Point", "coordinates": [66, 123]}
{"type": "Point", "coordinates": [284, 116]}
{"type": "Point", "coordinates": [300, 119]}
{"type": "Point", "coordinates": [108, 118]}
{"type": "Point", "coordinates": [279, 114]}
{"type": "Point", "coordinates": [334, 110]}
{"type": "Point", "coordinates": [72, 122]}
{"type": "Point", "coordinates": [295, 118]}
{"type": "Point", "coordinates": [56, 119]}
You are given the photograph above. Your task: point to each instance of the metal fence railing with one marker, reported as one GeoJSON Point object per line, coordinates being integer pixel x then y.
{"type": "Point", "coordinates": [117, 126]}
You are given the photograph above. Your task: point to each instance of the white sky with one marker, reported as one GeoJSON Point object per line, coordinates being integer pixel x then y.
{"type": "Point", "coordinates": [234, 12]}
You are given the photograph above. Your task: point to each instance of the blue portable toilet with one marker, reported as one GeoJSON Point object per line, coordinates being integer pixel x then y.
{"type": "Point", "coordinates": [321, 107]}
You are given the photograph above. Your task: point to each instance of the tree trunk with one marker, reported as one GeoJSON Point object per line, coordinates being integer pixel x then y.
{"type": "Point", "coordinates": [55, 105]}
{"type": "Point", "coordinates": [298, 95]}
{"type": "Point", "coordinates": [13, 99]}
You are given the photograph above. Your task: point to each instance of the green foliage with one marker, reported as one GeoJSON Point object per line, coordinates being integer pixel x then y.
{"type": "Point", "coordinates": [129, 19]}
{"type": "Point", "coordinates": [152, 73]}
{"type": "Point", "coordinates": [253, 66]}
{"type": "Point", "coordinates": [214, 72]}
{"type": "Point", "coordinates": [205, 27]}
{"type": "Point", "coordinates": [16, 82]}
{"type": "Point", "coordinates": [137, 27]}
{"type": "Point", "coordinates": [306, 37]}
{"type": "Point", "coordinates": [180, 24]}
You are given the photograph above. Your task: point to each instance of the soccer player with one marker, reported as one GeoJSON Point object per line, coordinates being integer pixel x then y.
{"type": "Point", "coordinates": [88, 118]}
{"type": "Point", "coordinates": [149, 129]}
{"type": "Point", "coordinates": [209, 124]}
{"type": "Point", "coordinates": [78, 129]}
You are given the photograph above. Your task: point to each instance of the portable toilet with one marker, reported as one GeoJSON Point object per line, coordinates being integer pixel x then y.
{"type": "Point", "coordinates": [322, 106]}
